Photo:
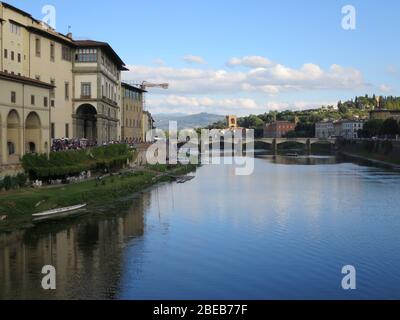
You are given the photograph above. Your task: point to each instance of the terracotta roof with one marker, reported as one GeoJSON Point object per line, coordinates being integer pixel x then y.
{"type": "Point", "coordinates": [104, 45]}
{"type": "Point", "coordinates": [25, 80]}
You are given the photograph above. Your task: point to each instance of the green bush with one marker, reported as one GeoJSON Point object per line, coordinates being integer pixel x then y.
{"type": "Point", "coordinates": [62, 164]}
{"type": "Point", "coordinates": [21, 180]}
{"type": "Point", "coordinates": [7, 183]}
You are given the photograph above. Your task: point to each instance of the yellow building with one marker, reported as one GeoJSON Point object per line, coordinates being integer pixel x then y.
{"type": "Point", "coordinates": [231, 122]}
{"type": "Point", "coordinates": [147, 126]}
{"type": "Point", "coordinates": [84, 76]}
{"type": "Point", "coordinates": [24, 117]}
{"type": "Point", "coordinates": [132, 113]}
{"type": "Point", "coordinates": [383, 114]}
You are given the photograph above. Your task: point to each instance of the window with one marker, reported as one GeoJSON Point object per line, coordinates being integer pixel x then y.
{"type": "Point", "coordinates": [53, 130]}
{"type": "Point", "coordinates": [19, 57]}
{"type": "Point", "coordinates": [14, 28]}
{"type": "Point", "coordinates": [52, 90]}
{"type": "Point", "coordinates": [66, 88]}
{"type": "Point", "coordinates": [52, 51]}
{"type": "Point", "coordinates": [66, 53]}
{"type": "Point", "coordinates": [13, 97]}
{"type": "Point", "coordinates": [67, 130]}
{"type": "Point", "coordinates": [86, 55]}
{"type": "Point", "coordinates": [5, 53]}
{"type": "Point", "coordinates": [86, 90]}
{"type": "Point", "coordinates": [52, 103]}
{"type": "Point", "coordinates": [12, 55]}
{"type": "Point", "coordinates": [32, 100]}
{"type": "Point", "coordinates": [37, 47]}
{"type": "Point", "coordinates": [45, 102]}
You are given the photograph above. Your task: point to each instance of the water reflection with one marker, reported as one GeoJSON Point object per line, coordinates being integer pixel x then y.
{"type": "Point", "coordinates": [87, 254]}
{"type": "Point", "coordinates": [283, 232]}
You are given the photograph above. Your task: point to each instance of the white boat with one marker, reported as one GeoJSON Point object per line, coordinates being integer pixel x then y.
{"type": "Point", "coordinates": [60, 210]}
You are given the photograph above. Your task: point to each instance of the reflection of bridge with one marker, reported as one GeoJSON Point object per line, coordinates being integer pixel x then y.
{"type": "Point", "coordinates": [308, 142]}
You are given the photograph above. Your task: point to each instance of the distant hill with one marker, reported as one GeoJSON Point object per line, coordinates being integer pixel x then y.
{"type": "Point", "coordinates": [200, 120]}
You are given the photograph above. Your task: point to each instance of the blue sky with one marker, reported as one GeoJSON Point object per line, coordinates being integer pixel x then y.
{"type": "Point", "coordinates": [240, 56]}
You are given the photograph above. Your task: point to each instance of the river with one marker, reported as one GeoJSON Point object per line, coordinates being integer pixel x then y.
{"type": "Point", "coordinates": [284, 232]}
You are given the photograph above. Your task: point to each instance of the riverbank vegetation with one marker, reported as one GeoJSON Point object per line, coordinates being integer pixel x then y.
{"type": "Point", "coordinates": [18, 206]}
{"type": "Point", "coordinates": [68, 163]}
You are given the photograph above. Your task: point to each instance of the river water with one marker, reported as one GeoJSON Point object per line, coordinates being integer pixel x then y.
{"type": "Point", "coordinates": [284, 232]}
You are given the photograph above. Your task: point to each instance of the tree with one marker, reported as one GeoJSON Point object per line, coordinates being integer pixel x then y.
{"type": "Point", "coordinates": [372, 128]}
{"type": "Point", "coordinates": [390, 127]}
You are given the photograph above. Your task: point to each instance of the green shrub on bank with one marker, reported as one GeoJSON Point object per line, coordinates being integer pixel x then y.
{"type": "Point", "coordinates": [10, 183]}
{"type": "Point", "coordinates": [68, 163]}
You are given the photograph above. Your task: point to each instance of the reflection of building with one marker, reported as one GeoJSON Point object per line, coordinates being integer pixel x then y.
{"type": "Point", "coordinates": [86, 78]}
{"type": "Point", "coordinates": [385, 114]}
{"type": "Point", "coordinates": [231, 122]}
{"type": "Point", "coordinates": [131, 112]}
{"type": "Point", "coordinates": [24, 117]}
{"type": "Point", "coordinates": [88, 256]}
{"type": "Point", "coordinates": [278, 129]}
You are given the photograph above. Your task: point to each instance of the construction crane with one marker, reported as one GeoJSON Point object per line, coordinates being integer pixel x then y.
{"type": "Point", "coordinates": [145, 85]}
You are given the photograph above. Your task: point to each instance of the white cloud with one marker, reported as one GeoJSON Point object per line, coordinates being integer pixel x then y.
{"type": "Point", "coordinates": [238, 106]}
{"type": "Point", "coordinates": [159, 62]}
{"type": "Point", "coordinates": [271, 80]}
{"type": "Point", "coordinates": [385, 88]}
{"type": "Point", "coordinates": [241, 91]}
{"type": "Point", "coordinates": [194, 59]}
{"type": "Point", "coordinates": [249, 61]}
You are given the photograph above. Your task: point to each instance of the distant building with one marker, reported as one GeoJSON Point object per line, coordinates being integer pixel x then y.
{"type": "Point", "coordinates": [384, 114]}
{"type": "Point", "coordinates": [347, 129]}
{"type": "Point", "coordinates": [147, 126]}
{"type": "Point", "coordinates": [324, 129]}
{"type": "Point", "coordinates": [231, 122]}
{"type": "Point", "coordinates": [131, 113]}
{"type": "Point", "coordinates": [278, 129]}
{"type": "Point", "coordinates": [350, 128]}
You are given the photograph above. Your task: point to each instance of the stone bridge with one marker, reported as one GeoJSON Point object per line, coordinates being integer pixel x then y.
{"type": "Point", "coordinates": [308, 142]}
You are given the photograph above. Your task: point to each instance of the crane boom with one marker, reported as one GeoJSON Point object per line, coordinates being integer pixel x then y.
{"type": "Point", "coordinates": [146, 84]}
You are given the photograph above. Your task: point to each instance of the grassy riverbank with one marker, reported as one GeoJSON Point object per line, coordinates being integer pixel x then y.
{"type": "Point", "coordinates": [19, 205]}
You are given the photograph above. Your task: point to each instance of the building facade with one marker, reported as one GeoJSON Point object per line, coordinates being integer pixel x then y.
{"type": "Point", "coordinates": [385, 114]}
{"type": "Point", "coordinates": [278, 129]}
{"type": "Point", "coordinates": [348, 129]}
{"type": "Point", "coordinates": [324, 129]}
{"type": "Point", "coordinates": [24, 117]}
{"type": "Point", "coordinates": [147, 126]}
{"type": "Point", "coordinates": [83, 77]}
{"type": "Point", "coordinates": [231, 122]}
{"type": "Point", "coordinates": [132, 113]}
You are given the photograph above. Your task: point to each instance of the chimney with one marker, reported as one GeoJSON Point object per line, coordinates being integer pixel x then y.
{"type": "Point", "coordinates": [69, 35]}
